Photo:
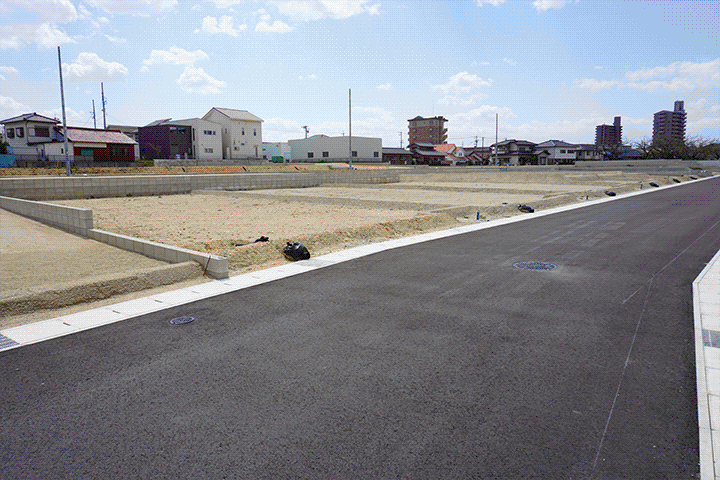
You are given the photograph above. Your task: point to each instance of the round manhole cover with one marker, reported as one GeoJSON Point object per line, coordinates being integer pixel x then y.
{"type": "Point", "coordinates": [181, 320]}
{"type": "Point", "coordinates": [534, 265]}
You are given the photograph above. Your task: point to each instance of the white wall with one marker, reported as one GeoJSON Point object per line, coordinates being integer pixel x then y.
{"type": "Point", "coordinates": [202, 141]}
{"type": "Point", "coordinates": [336, 149]}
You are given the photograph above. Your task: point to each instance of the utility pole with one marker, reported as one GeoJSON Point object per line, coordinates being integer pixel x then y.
{"type": "Point", "coordinates": [475, 141]}
{"type": "Point", "coordinates": [94, 119]}
{"type": "Point", "coordinates": [62, 100]}
{"type": "Point", "coordinates": [496, 138]}
{"type": "Point", "coordinates": [400, 139]}
{"type": "Point", "coordinates": [350, 125]}
{"type": "Point", "coordinates": [306, 130]}
{"type": "Point", "coordinates": [102, 90]}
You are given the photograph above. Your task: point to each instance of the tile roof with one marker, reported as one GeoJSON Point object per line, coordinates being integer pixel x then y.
{"type": "Point", "coordinates": [88, 135]}
{"type": "Point", "coordinates": [31, 117]}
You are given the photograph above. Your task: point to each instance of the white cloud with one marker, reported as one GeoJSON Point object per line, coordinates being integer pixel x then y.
{"type": "Point", "coordinates": [71, 115]}
{"type": "Point", "coordinates": [10, 108]}
{"type": "Point", "coordinates": [144, 68]}
{"type": "Point", "coordinates": [462, 101]}
{"type": "Point", "coordinates": [715, 108]}
{"type": "Point", "coordinates": [225, 25]}
{"type": "Point", "coordinates": [462, 83]}
{"type": "Point", "coordinates": [195, 80]}
{"type": "Point", "coordinates": [494, 3]}
{"type": "Point", "coordinates": [593, 84]}
{"type": "Point", "coordinates": [542, 5]}
{"type": "Point", "coordinates": [312, 76]}
{"type": "Point", "coordinates": [307, 10]}
{"type": "Point", "coordinates": [475, 63]}
{"type": "Point", "coordinates": [510, 61]}
{"type": "Point", "coordinates": [597, 67]}
{"type": "Point", "coordinates": [678, 76]}
{"type": "Point", "coordinates": [8, 70]}
{"type": "Point", "coordinates": [115, 39]}
{"type": "Point", "coordinates": [386, 87]}
{"type": "Point", "coordinates": [276, 27]}
{"type": "Point", "coordinates": [175, 56]}
{"type": "Point", "coordinates": [133, 7]}
{"type": "Point", "coordinates": [196, 7]}
{"type": "Point", "coordinates": [88, 66]}
{"type": "Point", "coordinates": [226, 3]}
{"type": "Point", "coordinates": [35, 22]}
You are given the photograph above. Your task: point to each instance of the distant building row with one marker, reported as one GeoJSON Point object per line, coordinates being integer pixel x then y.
{"type": "Point", "coordinates": [667, 126]}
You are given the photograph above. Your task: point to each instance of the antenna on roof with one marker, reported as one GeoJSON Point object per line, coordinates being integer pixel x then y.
{"type": "Point", "coordinates": [306, 130]}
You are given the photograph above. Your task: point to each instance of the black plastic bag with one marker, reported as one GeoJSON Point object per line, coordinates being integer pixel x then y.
{"type": "Point", "coordinates": [525, 208]}
{"type": "Point", "coordinates": [609, 193]}
{"type": "Point", "coordinates": [295, 251]}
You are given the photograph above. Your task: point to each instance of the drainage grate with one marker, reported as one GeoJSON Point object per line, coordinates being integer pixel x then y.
{"type": "Point", "coordinates": [711, 338]}
{"type": "Point", "coordinates": [6, 342]}
{"type": "Point", "coordinates": [534, 265]}
{"type": "Point", "coordinates": [181, 320]}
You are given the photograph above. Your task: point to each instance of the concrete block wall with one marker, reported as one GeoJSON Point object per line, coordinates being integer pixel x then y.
{"type": "Point", "coordinates": [80, 222]}
{"type": "Point", "coordinates": [214, 265]}
{"type": "Point", "coordinates": [71, 219]}
{"type": "Point", "coordinates": [56, 188]}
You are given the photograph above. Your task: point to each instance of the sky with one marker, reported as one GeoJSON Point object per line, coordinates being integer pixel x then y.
{"type": "Point", "coordinates": [549, 69]}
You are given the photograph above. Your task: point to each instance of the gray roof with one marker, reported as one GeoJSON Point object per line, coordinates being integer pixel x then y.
{"type": "Point", "coordinates": [396, 151]}
{"type": "Point", "coordinates": [430, 153]}
{"type": "Point", "coordinates": [555, 143]}
{"type": "Point", "coordinates": [31, 117]}
{"type": "Point", "coordinates": [88, 135]}
{"type": "Point", "coordinates": [158, 122]}
{"type": "Point", "coordinates": [237, 114]}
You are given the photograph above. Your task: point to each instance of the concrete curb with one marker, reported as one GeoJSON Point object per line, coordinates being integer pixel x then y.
{"type": "Point", "coordinates": [706, 310]}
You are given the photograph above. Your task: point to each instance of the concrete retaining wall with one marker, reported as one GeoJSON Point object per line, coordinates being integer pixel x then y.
{"type": "Point", "coordinates": [70, 219]}
{"type": "Point", "coordinates": [194, 162]}
{"type": "Point", "coordinates": [659, 164]}
{"type": "Point", "coordinates": [55, 188]}
{"type": "Point", "coordinates": [80, 222]}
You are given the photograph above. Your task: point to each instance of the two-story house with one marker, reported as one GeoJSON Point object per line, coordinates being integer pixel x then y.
{"type": "Point", "coordinates": [26, 133]}
{"type": "Point", "coordinates": [555, 152]}
{"type": "Point", "coordinates": [241, 132]}
{"type": "Point", "coordinates": [514, 152]}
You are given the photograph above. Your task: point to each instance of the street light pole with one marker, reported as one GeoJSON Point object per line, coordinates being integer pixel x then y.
{"type": "Point", "coordinates": [62, 100]}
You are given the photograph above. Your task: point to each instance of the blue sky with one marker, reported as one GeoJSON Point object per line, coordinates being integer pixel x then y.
{"type": "Point", "coordinates": [550, 69]}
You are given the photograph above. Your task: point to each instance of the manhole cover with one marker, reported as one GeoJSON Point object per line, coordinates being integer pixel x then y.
{"type": "Point", "coordinates": [181, 320]}
{"type": "Point", "coordinates": [534, 265]}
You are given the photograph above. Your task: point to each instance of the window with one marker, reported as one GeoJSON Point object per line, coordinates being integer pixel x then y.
{"type": "Point", "coordinates": [376, 154]}
{"type": "Point", "coordinates": [243, 130]}
{"type": "Point", "coordinates": [354, 153]}
{"type": "Point", "coordinates": [310, 154]}
{"type": "Point", "coordinates": [20, 132]}
{"type": "Point", "coordinates": [42, 132]}
{"type": "Point", "coordinates": [208, 150]}
{"type": "Point", "coordinates": [236, 148]}
{"type": "Point", "coordinates": [10, 133]}
{"type": "Point", "coordinates": [562, 151]}
{"type": "Point", "coordinates": [326, 154]}
{"type": "Point", "coordinates": [255, 132]}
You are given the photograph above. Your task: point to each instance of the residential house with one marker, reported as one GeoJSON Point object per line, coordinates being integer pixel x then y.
{"type": "Point", "coordinates": [88, 146]}
{"type": "Point", "coordinates": [241, 132]}
{"type": "Point", "coordinates": [478, 155]}
{"type": "Point", "coordinates": [454, 155]}
{"type": "Point", "coordinates": [192, 138]}
{"type": "Point", "coordinates": [555, 152]}
{"type": "Point", "coordinates": [514, 152]}
{"type": "Point", "coordinates": [397, 156]}
{"type": "Point", "coordinates": [425, 154]}
{"type": "Point", "coordinates": [26, 133]}
{"type": "Point", "coordinates": [322, 148]}
{"type": "Point", "coordinates": [588, 152]}
{"type": "Point", "coordinates": [129, 130]}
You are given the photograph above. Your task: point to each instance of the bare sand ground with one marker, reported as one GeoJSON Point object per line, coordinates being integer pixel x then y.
{"type": "Point", "coordinates": [333, 217]}
{"type": "Point", "coordinates": [326, 218]}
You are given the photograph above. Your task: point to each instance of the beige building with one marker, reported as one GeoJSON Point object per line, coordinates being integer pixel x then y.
{"type": "Point", "coordinates": [427, 130]}
{"type": "Point", "coordinates": [241, 132]}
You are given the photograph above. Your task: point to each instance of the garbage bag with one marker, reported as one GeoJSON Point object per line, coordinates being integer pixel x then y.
{"type": "Point", "coordinates": [525, 208]}
{"type": "Point", "coordinates": [295, 251]}
{"type": "Point", "coordinates": [609, 193]}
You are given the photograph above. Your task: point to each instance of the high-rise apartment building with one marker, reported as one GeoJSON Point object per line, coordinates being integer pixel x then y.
{"type": "Point", "coordinates": [669, 125]}
{"type": "Point", "coordinates": [427, 130]}
{"type": "Point", "coordinates": [607, 135]}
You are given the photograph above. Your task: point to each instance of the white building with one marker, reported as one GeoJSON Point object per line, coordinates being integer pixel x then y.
{"type": "Point", "coordinates": [321, 148]}
{"type": "Point", "coordinates": [276, 149]}
{"type": "Point", "coordinates": [241, 132]}
{"type": "Point", "coordinates": [26, 133]}
{"type": "Point", "coordinates": [206, 137]}
{"type": "Point", "coordinates": [554, 152]}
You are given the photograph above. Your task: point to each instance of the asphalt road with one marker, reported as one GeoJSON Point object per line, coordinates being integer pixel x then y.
{"type": "Point", "coordinates": [439, 360]}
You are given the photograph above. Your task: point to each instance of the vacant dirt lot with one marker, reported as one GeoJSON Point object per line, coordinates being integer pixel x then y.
{"type": "Point", "coordinates": [334, 217]}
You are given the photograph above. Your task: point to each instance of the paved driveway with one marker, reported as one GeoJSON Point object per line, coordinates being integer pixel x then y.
{"type": "Point", "coordinates": [439, 360]}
